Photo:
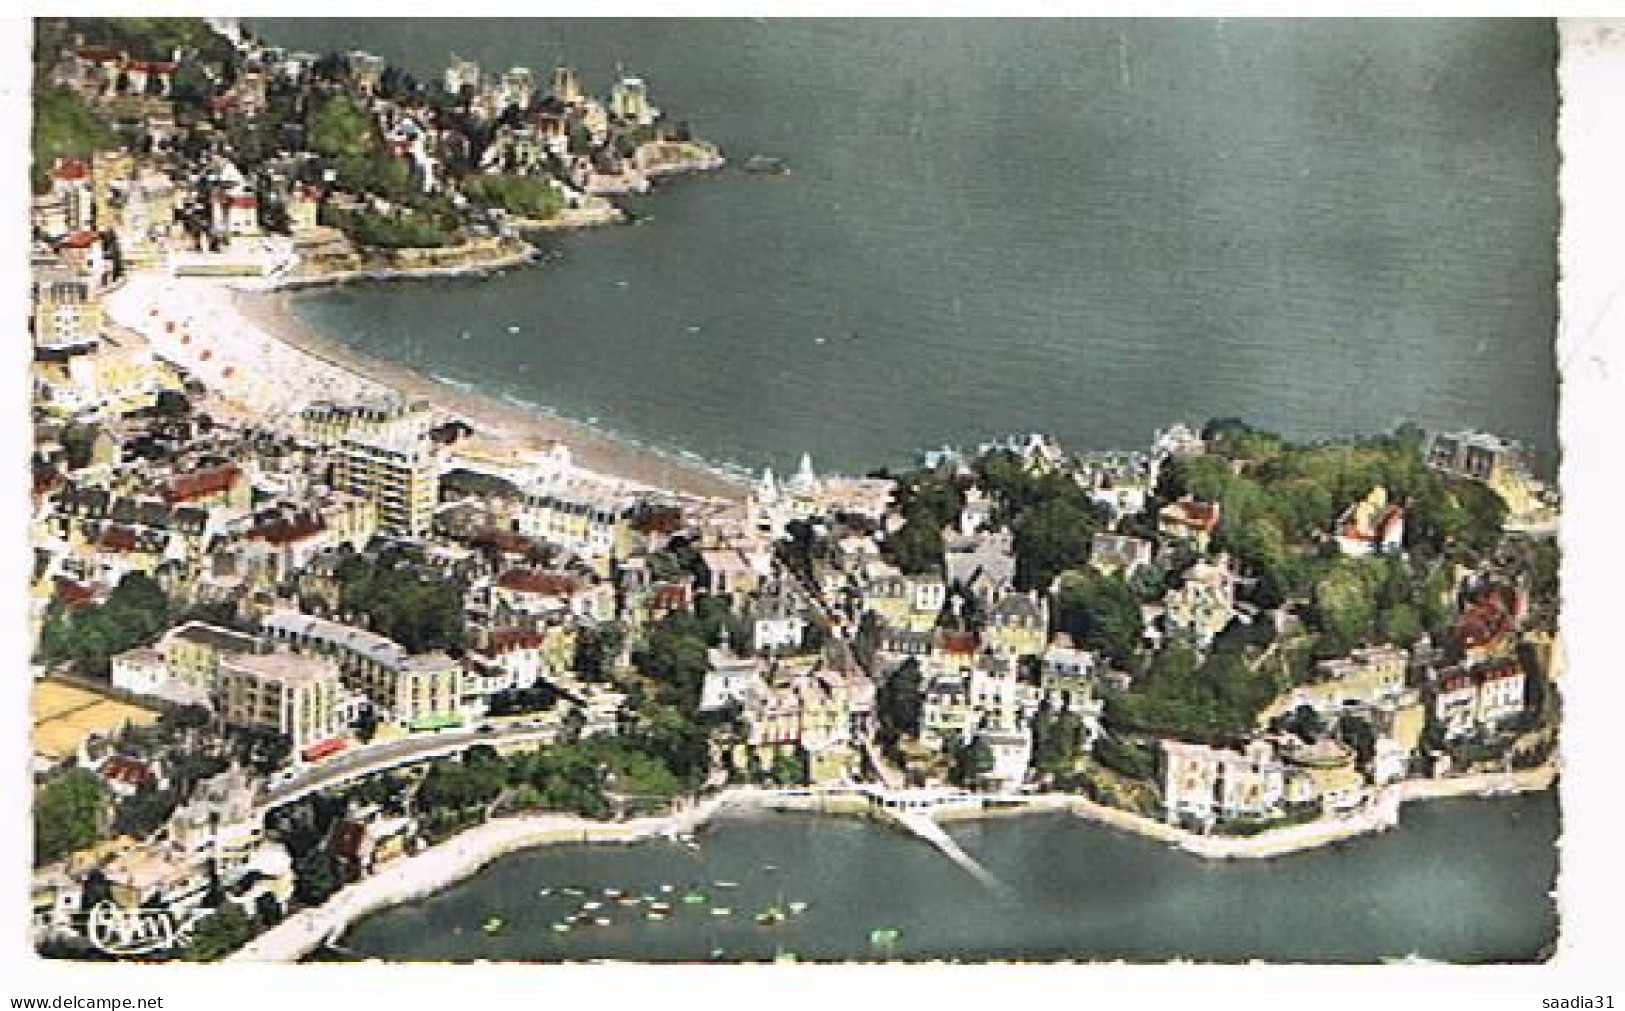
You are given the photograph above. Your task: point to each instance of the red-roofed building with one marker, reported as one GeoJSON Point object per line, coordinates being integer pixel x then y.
{"type": "Point", "coordinates": [75, 595]}
{"type": "Point", "coordinates": [286, 530]}
{"type": "Point", "coordinates": [1189, 520]}
{"type": "Point", "coordinates": [538, 582]}
{"type": "Point", "coordinates": [71, 170]}
{"type": "Point", "coordinates": [958, 644]}
{"type": "Point", "coordinates": [150, 76]}
{"type": "Point", "coordinates": [128, 776]}
{"type": "Point", "coordinates": [518, 653]}
{"type": "Point", "coordinates": [223, 485]}
{"type": "Point", "coordinates": [100, 56]}
{"type": "Point", "coordinates": [118, 539]}
{"type": "Point", "coordinates": [669, 598]}
{"type": "Point", "coordinates": [238, 214]}
{"type": "Point", "coordinates": [1488, 624]}
{"type": "Point", "coordinates": [506, 543]}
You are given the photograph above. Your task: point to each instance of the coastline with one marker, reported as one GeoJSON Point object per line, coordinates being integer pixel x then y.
{"type": "Point", "coordinates": [460, 857]}
{"type": "Point", "coordinates": [233, 336]}
{"type": "Point", "coordinates": [469, 852]}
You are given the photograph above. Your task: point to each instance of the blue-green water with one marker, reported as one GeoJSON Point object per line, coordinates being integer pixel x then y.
{"type": "Point", "coordinates": [1460, 880]}
{"type": "Point", "coordinates": [1089, 228]}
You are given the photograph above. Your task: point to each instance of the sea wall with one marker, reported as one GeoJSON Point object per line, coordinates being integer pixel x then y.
{"type": "Point", "coordinates": [425, 873]}
{"type": "Point", "coordinates": [1380, 815]}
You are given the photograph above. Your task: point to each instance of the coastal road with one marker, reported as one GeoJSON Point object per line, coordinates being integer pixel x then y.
{"type": "Point", "coordinates": [376, 758]}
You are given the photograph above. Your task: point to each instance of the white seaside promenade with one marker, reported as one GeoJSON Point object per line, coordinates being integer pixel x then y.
{"type": "Point", "coordinates": [457, 858]}
{"type": "Point", "coordinates": [425, 873]}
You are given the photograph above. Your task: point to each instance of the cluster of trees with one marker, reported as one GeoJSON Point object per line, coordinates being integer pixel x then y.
{"type": "Point", "coordinates": [597, 649]}
{"type": "Point", "coordinates": [419, 610]}
{"type": "Point", "coordinates": [1099, 612]}
{"type": "Point", "coordinates": [219, 934]}
{"type": "Point", "coordinates": [1057, 740]}
{"type": "Point", "coordinates": [1279, 500]}
{"type": "Point", "coordinates": [392, 230]}
{"type": "Point", "coordinates": [527, 196]}
{"type": "Point", "coordinates": [897, 704]}
{"type": "Point", "coordinates": [968, 760]}
{"type": "Point", "coordinates": [593, 778]}
{"type": "Point", "coordinates": [928, 501]}
{"type": "Point", "coordinates": [134, 613]}
{"type": "Point", "coordinates": [673, 657]}
{"type": "Point", "coordinates": [1126, 757]}
{"type": "Point", "coordinates": [64, 127]}
{"type": "Point", "coordinates": [1365, 601]}
{"type": "Point", "coordinates": [1052, 520]}
{"type": "Point", "coordinates": [143, 38]}
{"type": "Point", "coordinates": [71, 812]}
{"type": "Point", "coordinates": [1185, 696]}
{"type": "Point", "coordinates": [344, 134]}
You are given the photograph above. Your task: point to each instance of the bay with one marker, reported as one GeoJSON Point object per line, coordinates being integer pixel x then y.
{"type": "Point", "coordinates": [1089, 228]}
{"type": "Point", "coordinates": [1465, 880]}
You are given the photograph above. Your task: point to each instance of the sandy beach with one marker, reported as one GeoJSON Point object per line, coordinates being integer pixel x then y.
{"type": "Point", "coordinates": [250, 348]}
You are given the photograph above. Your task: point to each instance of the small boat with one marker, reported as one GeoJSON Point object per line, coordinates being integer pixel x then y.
{"type": "Point", "coordinates": [761, 164]}
{"type": "Point", "coordinates": [655, 916]}
{"type": "Point", "coordinates": [785, 957]}
{"type": "Point", "coordinates": [770, 917]}
{"type": "Point", "coordinates": [797, 908]}
{"type": "Point", "coordinates": [629, 900]}
{"type": "Point", "coordinates": [721, 911]}
{"type": "Point", "coordinates": [513, 329]}
{"type": "Point", "coordinates": [602, 921]}
{"type": "Point", "coordinates": [572, 891]}
{"type": "Point", "coordinates": [561, 928]}
{"type": "Point", "coordinates": [613, 893]}
{"type": "Point", "coordinates": [545, 892]}
{"type": "Point", "coordinates": [660, 907]}
{"type": "Point", "coordinates": [716, 952]}
{"type": "Point", "coordinates": [592, 905]}
{"type": "Point", "coordinates": [668, 889]}
{"type": "Point", "coordinates": [694, 898]}
{"type": "Point", "coordinates": [492, 925]}
{"type": "Point", "coordinates": [725, 884]}
{"type": "Point", "coordinates": [884, 936]}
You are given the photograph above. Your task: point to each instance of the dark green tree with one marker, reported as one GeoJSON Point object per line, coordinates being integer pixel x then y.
{"type": "Point", "coordinates": [70, 813]}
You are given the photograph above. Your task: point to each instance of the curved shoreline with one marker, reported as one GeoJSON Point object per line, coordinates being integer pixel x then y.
{"type": "Point", "coordinates": [255, 327]}
{"type": "Point", "coordinates": [456, 859]}
{"type": "Point", "coordinates": [469, 852]}
{"type": "Point", "coordinates": [592, 449]}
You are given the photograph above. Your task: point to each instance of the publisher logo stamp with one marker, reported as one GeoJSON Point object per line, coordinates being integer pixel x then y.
{"type": "Point", "coordinates": [123, 932]}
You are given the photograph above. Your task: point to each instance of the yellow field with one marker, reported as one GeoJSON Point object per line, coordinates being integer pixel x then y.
{"type": "Point", "coordinates": [65, 715]}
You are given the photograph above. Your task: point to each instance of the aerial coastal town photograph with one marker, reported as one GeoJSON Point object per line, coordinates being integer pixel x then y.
{"type": "Point", "coordinates": [755, 491]}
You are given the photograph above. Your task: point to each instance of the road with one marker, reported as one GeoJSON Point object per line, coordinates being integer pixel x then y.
{"type": "Point", "coordinates": [375, 758]}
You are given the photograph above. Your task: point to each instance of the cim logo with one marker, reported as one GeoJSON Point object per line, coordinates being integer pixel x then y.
{"type": "Point", "coordinates": [122, 932]}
